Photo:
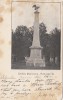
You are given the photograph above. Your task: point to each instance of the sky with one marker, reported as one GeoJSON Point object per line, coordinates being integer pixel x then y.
{"type": "Point", "coordinates": [24, 14]}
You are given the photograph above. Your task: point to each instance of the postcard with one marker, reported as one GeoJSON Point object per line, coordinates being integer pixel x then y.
{"type": "Point", "coordinates": [31, 49]}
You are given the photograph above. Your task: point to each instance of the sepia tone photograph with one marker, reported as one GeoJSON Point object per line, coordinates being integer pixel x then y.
{"type": "Point", "coordinates": [36, 36]}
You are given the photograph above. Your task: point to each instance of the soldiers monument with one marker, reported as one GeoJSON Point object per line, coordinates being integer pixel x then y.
{"type": "Point", "coordinates": [35, 58]}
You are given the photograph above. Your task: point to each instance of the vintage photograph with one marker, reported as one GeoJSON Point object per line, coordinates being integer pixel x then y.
{"type": "Point", "coordinates": [36, 36]}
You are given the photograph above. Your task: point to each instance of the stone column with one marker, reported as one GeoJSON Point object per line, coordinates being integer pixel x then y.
{"type": "Point", "coordinates": [36, 40]}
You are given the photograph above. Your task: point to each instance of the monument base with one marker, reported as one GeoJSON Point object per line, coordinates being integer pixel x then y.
{"type": "Point", "coordinates": [35, 59]}
{"type": "Point", "coordinates": [35, 62]}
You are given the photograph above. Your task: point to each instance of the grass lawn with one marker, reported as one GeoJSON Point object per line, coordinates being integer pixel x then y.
{"type": "Point", "coordinates": [22, 65]}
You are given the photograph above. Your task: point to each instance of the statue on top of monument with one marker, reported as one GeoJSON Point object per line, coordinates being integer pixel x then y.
{"type": "Point", "coordinates": [36, 7]}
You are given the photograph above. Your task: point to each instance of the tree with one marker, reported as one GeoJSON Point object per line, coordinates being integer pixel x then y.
{"type": "Point", "coordinates": [44, 41]}
{"type": "Point", "coordinates": [55, 44]}
{"type": "Point", "coordinates": [42, 31]}
{"type": "Point", "coordinates": [21, 42]}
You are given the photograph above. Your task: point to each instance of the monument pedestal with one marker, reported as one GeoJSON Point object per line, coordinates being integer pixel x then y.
{"type": "Point", "coordinates": [35, 59]}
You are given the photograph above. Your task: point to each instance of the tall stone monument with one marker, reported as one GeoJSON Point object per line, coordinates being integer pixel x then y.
{"type": "Point", "coordinates": [35, 58]}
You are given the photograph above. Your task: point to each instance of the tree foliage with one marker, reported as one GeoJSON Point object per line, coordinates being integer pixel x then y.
{"type": "Point", "coordinates": [22, 40]}
{"type": "Point", "coordinates": [55, 44]}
